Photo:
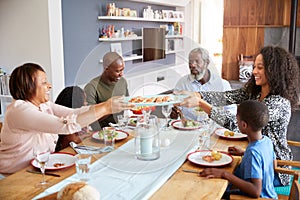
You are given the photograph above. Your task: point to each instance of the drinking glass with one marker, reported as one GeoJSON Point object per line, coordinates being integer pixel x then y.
{"type": "Point", "coordinates": [122, 121]}
{"type": "Point", "coordinates": [166, 111]}
{"type": "Point", "coordinates": [146, 112]}
{"type": "Point", "coordinates": [82, 162]}
{"type": "Point", "coordinates": [41, 157]}
{"type": "Point", "coordinates": [206, 141]}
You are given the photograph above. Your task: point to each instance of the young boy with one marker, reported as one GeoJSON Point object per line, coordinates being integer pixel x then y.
{"type": "Point", "coordinates": [254, 176]}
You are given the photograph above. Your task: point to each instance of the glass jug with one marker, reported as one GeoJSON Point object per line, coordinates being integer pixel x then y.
{"type": "Point", "coordinates": [147, 145]}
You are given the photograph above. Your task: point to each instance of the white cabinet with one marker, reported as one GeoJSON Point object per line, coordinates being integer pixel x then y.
{"type": "Point", "coordinates": [155, 82]}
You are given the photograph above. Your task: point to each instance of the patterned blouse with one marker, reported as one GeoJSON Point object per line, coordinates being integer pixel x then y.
{"type": "Point", "coordinates": [276, 129]}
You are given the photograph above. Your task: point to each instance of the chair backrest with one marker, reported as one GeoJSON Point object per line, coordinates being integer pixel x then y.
{"type": "Point", "coordinates": [295, 189]}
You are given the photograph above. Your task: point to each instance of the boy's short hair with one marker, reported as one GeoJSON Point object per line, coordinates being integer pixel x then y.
{"type": "Point", "coordinates": [254, 113]}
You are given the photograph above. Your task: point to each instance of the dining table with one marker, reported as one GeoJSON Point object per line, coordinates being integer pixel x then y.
{"type": "Point", "coordinates": [163, 178]}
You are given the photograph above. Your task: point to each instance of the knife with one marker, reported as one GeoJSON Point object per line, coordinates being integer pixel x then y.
{"type": "Point", "coordinates": [191, 171]}
{"type": "Point", "coordinates": [46, 173]}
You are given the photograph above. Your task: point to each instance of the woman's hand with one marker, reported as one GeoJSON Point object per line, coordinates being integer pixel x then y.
{"type": "Point", "coordinates": [237, 151]}
{"type": "Point", "coordinates": [189, 93]}
{"type": "Point", "coordinates": [117, 104]}
{"type": "Point", "coordinates": [191, 101]}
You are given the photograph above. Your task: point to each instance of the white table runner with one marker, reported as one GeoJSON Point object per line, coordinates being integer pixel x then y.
{"type": "Point", "coordinates": [119, 175]}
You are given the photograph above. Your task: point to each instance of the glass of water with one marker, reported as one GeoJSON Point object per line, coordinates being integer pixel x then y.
{"type": "Point", "coordinates": [82, 162]}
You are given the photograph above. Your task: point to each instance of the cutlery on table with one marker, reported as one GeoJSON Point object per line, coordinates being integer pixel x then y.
{"type": "Point", "coordinates": [91, 148]}
{"type": "Point", "coordinates": [191, 171]}
{"type": "Point", "coordinates": [46, 173]}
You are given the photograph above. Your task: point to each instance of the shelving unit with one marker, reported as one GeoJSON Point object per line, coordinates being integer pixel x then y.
{"type": "Point", "coordinates": [169, 38]}
{"type": "Point", "coordinates": [140, 19]}
{"type": "Point", "coordinates": [129, 58]}
{"type": "Point", "coordinates": [120, 39]}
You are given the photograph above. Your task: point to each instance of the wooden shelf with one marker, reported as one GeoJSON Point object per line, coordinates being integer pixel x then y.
{"type": "Point", "coordinates": [120, 39]}
{"type": "Point", "coordinates": [173, 36]}
{"type": "Point", "coordinates": [175, 51]}
{"type": "Point", "coordinates": [128, 58]}
{"type": "Point", "coordinates": [139, 19]}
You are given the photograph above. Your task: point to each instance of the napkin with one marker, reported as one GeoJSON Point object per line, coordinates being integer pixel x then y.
{"type": "Point", "coordinates": [89, 149]}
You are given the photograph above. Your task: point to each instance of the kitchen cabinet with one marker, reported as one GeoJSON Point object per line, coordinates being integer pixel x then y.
{"type": "Point", "coordinates": [244, 29]}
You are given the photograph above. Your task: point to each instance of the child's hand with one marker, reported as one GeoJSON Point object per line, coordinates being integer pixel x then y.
{"type": "Point", "coordinates": [212, 173]}
{"type": "Point", "coordinates": [235, 151]}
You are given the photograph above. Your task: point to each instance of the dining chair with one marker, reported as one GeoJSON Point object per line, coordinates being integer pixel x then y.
{"type": "Point", "coordinates": [285, 190]}
{"type": "Point", "coordinates": [289, 192]}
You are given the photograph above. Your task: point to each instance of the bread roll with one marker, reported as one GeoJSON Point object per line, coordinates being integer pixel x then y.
{"type": "Point", "coordinates": [78, 191]}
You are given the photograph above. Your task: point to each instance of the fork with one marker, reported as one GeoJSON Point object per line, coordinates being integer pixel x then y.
{"type": "Point", "coordinates": [91, 148]}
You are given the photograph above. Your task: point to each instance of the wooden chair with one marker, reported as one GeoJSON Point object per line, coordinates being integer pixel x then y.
{"type": "Point", "coordinates": [294, 193]}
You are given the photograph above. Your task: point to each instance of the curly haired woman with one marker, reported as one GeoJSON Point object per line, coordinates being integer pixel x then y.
{"type": "Point", "coordinates": [275, 81]}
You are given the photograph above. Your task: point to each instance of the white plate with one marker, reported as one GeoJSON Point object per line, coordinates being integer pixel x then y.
{"type": "Point", "coordinates": [178, 125]}
{"type": "Point", "coordinates": [173, 100]}
{"type": "Point", "coordinates": [121, 135]}
{"type": "Point", "coordinates": [66, 159]}
{"type": "Point", "coordinates": [220, 132]}
{"type": "Point", "coordinates": [196, 158]}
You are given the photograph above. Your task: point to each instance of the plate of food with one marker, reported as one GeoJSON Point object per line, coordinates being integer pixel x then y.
{"type": "Point", "coordinates": [120, 135]}
{"type": "Point", "coordinates": [227, 134]}
{"type": "Point", "coordinates": [57, 161]}
{"type": "Point", "coordinates": [210, 158]}
{"type": "Point", "coordinates": [132, 121]}
{"type": "Point", "coordinates": [155, 100]}
{"type": "Point", "coordinates": [189, 125]}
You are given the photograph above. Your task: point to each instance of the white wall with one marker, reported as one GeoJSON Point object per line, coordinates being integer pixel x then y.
{"type": "Point", "coordinates": [27, 36]}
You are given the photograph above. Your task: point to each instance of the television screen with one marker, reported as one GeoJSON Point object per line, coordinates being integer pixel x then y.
{"type": "Point", "coordinates": [153, 44]}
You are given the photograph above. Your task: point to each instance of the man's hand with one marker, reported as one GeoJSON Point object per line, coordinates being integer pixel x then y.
{"type": "Point", "coordinates": [175, 113]}
{"type": "Point", "coordinates": [212, 173]}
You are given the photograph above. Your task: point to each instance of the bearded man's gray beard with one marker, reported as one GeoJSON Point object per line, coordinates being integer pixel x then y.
{"type": "Point", "coordinates": [199, 76]}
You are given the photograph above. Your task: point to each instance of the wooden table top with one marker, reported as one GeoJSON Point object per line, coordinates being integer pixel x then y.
{"type": "Point", "coordinates": [181, 185]}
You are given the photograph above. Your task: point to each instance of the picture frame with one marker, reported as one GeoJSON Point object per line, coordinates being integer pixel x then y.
{"type": "Point", "coordinates": [116, 47]}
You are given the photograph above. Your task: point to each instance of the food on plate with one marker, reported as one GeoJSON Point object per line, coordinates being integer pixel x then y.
{"type": "Point", "coordinates": [78, 191]}
{"type": "Point", "coordinates": [158, 99]}
{"type": "Point", "coordinates": [132, 122]}
{"type": "Point", "coordinates": [139, 109]}
{"type": "Point", "coordinates": [228, 133]}
{"type": "Point", "coordinates": [208, 158]}
{"type": "Point", "coordinates": [215, 155]}
{"type": "Point", "coordinates": [190, 123]}
{"type": "Point", "coordinates": [108, 130]}
{"type": "Point", "coordinates": [58, 164]}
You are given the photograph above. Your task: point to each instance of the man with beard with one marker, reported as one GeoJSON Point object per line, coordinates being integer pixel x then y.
{"type": "Point", "coordinates": [110, 83]}
{"type": "Point", "coordinates": [201, 78]}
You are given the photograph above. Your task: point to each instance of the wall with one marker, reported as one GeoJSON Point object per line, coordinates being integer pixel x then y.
{"type": "Point", "coordinates": [82, 50]}
{"type": "Point", "coordinates": [27, 35]}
